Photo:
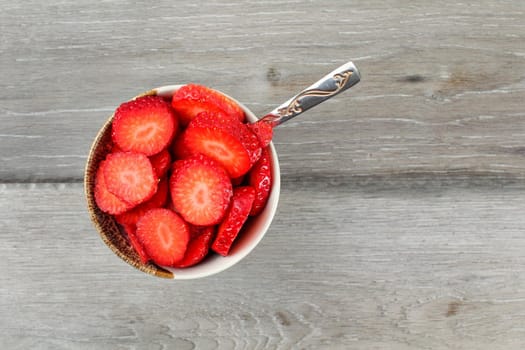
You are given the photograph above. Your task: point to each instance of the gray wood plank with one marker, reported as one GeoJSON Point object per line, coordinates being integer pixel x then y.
{"type": "Point", "coordinates": [376, 265]}
{"type": "Point", "coordinates": [442, 88]}
{"type": "Point", "coordinates": [400, 222]}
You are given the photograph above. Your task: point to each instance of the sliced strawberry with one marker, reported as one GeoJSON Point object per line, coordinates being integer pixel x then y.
{"type": "Point", "coordinates": [159, 199]}
{"type": "Point", "coordinates": [145, 125]}
{"type": "Point", "coordinates": [200, 190]}
{"type": "Point", "coordinates": [217, 143]}
{"type": "Point", "coordinates": [115, 148]}
{"type": "Point", "coordinates": [236, 215]}
{"type": "Point", "coordinates": [178, 148]}
{"type": "Point", "coordinates": [164, 236]}
{"type": "Point", "coordinates": [237, 181]}
{"type": "Point", "coordinates": [260, 178]}
{"type": "Point", "coordinates": [251, 143]}
{"type": "Point", "coordinates": [191, 99]}
{"type": "Point", "coordinates": [130, 176]}
{"type": "Point", "coordinates": [198, 247]}
{"type": "Point", "coordinates": [131, 232]}
{"type": "Point", "coordinates": [195, 231]}
{"type": "Point", "coordinates": [161, 162]}
{"type": "Point", "coordinates": [233, 127]}
{"type": "Point", "coordinates": [107, 201]}
{"type": "Point", "coordinates": [220, 146]}
{"type": "Point", "coordinates": [263, 130]}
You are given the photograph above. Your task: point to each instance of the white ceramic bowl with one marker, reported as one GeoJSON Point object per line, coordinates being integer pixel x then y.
{"type": "Point", "coordinates": [254, 230]}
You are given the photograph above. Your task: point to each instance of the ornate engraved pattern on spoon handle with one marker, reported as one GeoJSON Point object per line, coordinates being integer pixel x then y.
{"type": "Point", "coordinates": [295, 107]}
{"type": "Point", "coordinates": [332, 84]}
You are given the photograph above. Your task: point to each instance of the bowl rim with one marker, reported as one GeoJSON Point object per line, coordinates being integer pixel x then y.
{"type": "Point", "coordinates": [256, 228]}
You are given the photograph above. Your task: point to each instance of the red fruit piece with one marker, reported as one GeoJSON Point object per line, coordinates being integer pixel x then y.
{"type": "Point", "coordinates": [191, 99]}
{"type": "Point", "coordinates": [115, 148]}
{"type": "Point", "coordinates": [200, 190]}
{"type": "Point", "coordinates": [130, 176]}
{"type": "Point", "coordinates": [131, 232]}
{"type": "Point", "coordinates": [178, 148]}
{"type": "Point", "coordinates": [144, 125]}
{"type": "Point", "coordinates": [107, 201]}
{"type": "Point", "coordinates": [198, 247]}
{"type": "Point", "coordinates": [132, 216]}
{"type": "Point", "coordinates": [219, 146]}
{"type": "Point", "coordinates": [218, 143]}
{"type": "Point", "coordinates": [236, 215]}
{"type": "Point", "coordinates": [264, 132]}
{"type": "Point", "coordinates": [164, 236]}
{"type": "Point", "coordinates": [260, 178]}
{"type": "Point", "coordinates": [237, 181]}
{"type": "Point", "coordinates": [233, 127]}
{"type": "Point", "coordinates": [161, 162]}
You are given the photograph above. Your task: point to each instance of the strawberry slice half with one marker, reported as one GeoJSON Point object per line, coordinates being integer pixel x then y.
{"type": "Point", "coordinates": [107, 201]}
{"type": "Point", "coordinates": [191, 99]}
{"type": "Point", "coordinates": [159, 199]}
{"type": "Point", "coordinates": [236, 215]}
{"type": "Point", "coordinates": [219, 143]}
{"type": "Point", "coordinates": [164, 236]}
{"type": "Point", "coordinates": [131, 232]}
{"type": "Point", "coordinates": [130, 176]}
{"type": "Point", "coordinates": [233, 127]}
{"type": "Point", "coordinates": [260, 178]}
{"type": "Point", "coordinates": [198, 247]}
{"type": "Point", "coordinates": [161, 162]}
{"type": "Point", "coordinates": [263, 130]}
{"type": "Point", "coordinates": [200, 190]}
{"type": "Point", "coordinates": [145, 125]}
{"type": "Point", "coordinates": [219, 146]}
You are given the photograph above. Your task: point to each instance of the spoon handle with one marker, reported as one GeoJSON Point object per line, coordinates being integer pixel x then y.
{"type": "Point", "coordinates": [330, 85]}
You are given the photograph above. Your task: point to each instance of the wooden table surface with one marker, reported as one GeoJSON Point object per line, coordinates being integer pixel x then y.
{"type": "Point", "coordinates": [401, 218]}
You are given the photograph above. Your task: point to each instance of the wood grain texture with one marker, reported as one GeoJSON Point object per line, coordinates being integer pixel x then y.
{"type": "Point", "coordinates": [378, 266]}
{"type": "Point", "coordinates": [442, 86]}
{"type": "Point", "coordinates": [400, 219]}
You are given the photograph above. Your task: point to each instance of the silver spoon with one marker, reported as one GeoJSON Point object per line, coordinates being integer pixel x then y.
{"type": "Point", "coordinates": [327, 87]}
